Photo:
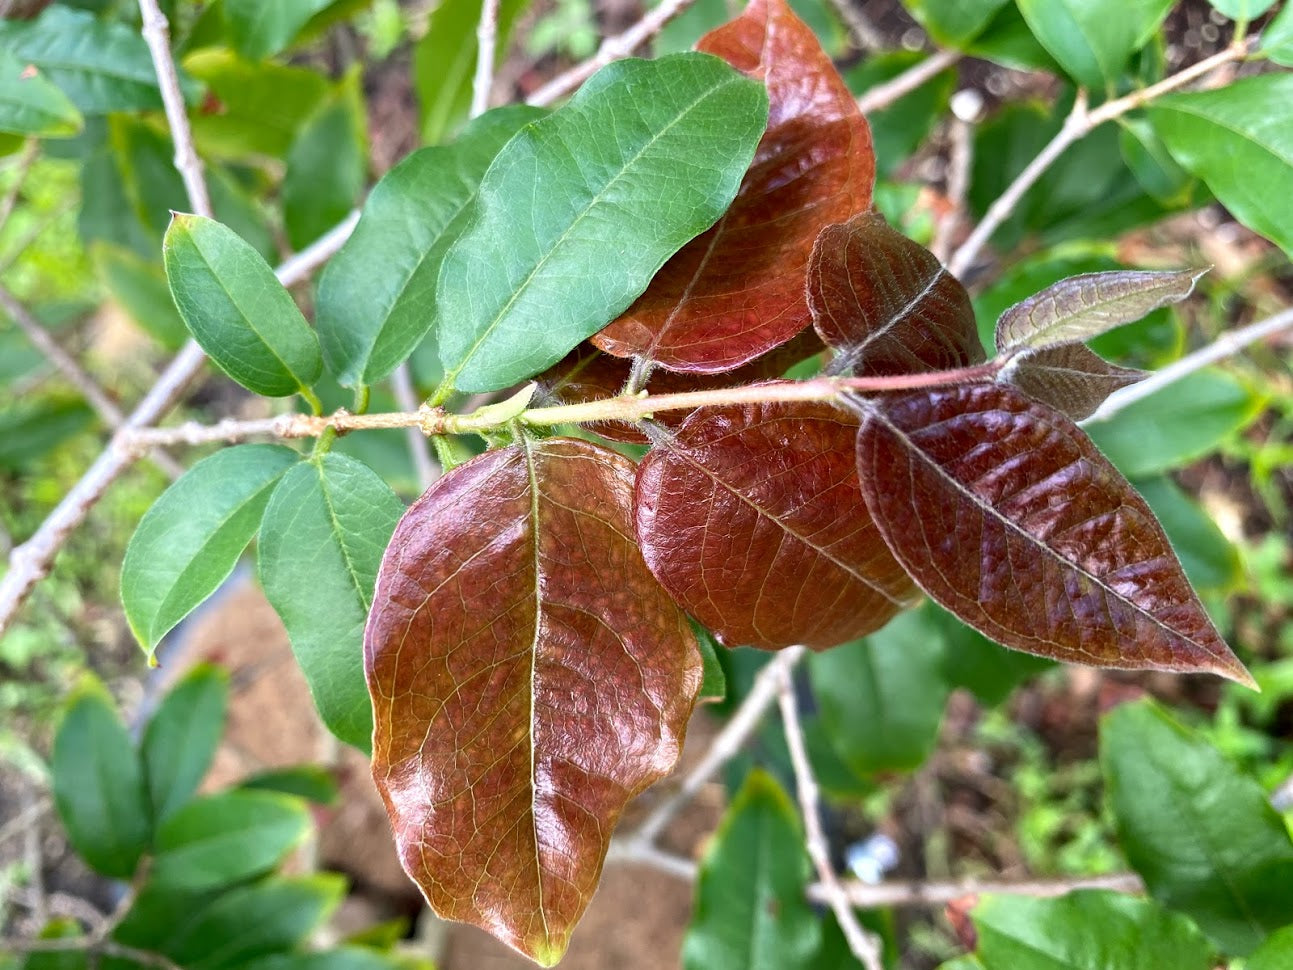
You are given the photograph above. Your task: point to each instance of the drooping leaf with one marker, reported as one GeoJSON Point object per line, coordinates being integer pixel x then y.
{"type": "Point", "coordinates": [954, 23]}
{"type": "Point", "coordinates": [327, 164]}
{"type": "Point", "coordinates": [1069, 377]}
{"type": "Point", "coordinates": [751, 517]}
{"type": "Point", "coordinates": [736, 292]}
{"type": "Point", "coordinates": [188, 542]}
{"type": "Point", "coordinates": [1092, 39]}
{"type": "Point", "coordinates": [536, 272]}
{"type": "Point", "coordinates": [222, 839]}
{"type": "Point", "coordinates": [181, 738]}
{"type": "Point", "coordinates": [31, 105]}
{"type": "Point", "coordinates": [1201, 834]}
{"type": "Point", "coordinates": [899, 129]}
{"type": "Point", "coordinates": [1085, 930]}
{"type": "Point", "coordinates": [885, 304]}
{"type": "Point", "coordinates": [1185, 420]}
{"type": "Point", "coordinates": [529, 677]}
{"type": "Point", "coordinates": [261, 30]}
{"type": "Point", "coordinates": [1210, 560]}
{"type": "Point", "coordinates": [881, 698]}
{"type": "Point", "coordinates": [237, 310]}
{"type": "Point", "coordinates": [321, 543]}
{"type": "Point", "coordinates": [1240, 145]}
{"type": "Point", "coordinates": [99, 785]}
{"type": "Point", "coordinates": [377, 295]}
{"type": "Point", "coordinates": [100, 65]}
{"type": "Point", "coordinates": [1009, 517]}
{"type": "Point", "coordinates": [1083, 307]}
{"type": "Point", "coordinates": [751, 909]}
{"type": "Point", "coordinates": [139, 287]}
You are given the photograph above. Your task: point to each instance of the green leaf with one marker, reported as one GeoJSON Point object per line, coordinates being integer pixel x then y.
{"type": "Point", "coordinates": [1085, 930]}
{"type": "Point", "coordinates": [954, 23]}
{"type": "Point", "coordinates": [321, 543]}
{"type": "Point", "coordinates": [187, 544]}
{"type": "Point", "coordinates": [1277, 38]}
{"type": "Point", "coordinates": [714, 685]}
{"type": "Point", "coordinates": [881, 698]}
{"type": "Point", "coordinates": [100, 65]}
{"type": "Point", "coordinates": [139, 287]}
{"type": "Point", "coordinates": [1244, 10]}
{"type": "Point", "coordinates": [1178, 424]}
{"type": "Point", "coordinates": [1201, 834]}
{"type": "Point", "coordinates": [31, 430]}
{"type": "Point", "coordinates": [1149, 160]}
{"type": "Point", "coordinates": [444, 62]}
{"type": "Point", "coordinates": [260, 29]}
{"type": "Point", "coordinates": [1211, 562]}
{"type": "Point", "coordinates": [181, 738]}
{"type": "Point", "coordinates": [237, 310]}
{"type": "Point", "coordinates": [99, 784]}
{"type": "Point", "coordinates": [327, 165]}
{"type": "Point", "coordinates": [311, 782]}
{"type": "Point", "coordinates": [537, 272]}
{"type": "Point", "coordinates": [31, 105]}
{"type": "Point", "coordinates": [1239, 140]}
{"type": "Point", "coordinates": [751, 912]}
{"type": "Point", "coordinates": [1277, 952]}
{"type": "Point", "coordinates": [377, 295]}
{"type": "Point", "coordinates": [986, 669]}
{"type": "Point", "coordinates": [223, 839]}
{"type": "Point", "coordinates": [342, 958]}
{"type": "Point", "coordinates": [1092, 39]}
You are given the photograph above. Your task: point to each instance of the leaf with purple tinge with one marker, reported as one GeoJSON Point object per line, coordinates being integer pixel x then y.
{"type": "Point", "coordinates": [886, 304]}
{"type": "Point", "coordinates": [1069, 377]}
{"type": "Point", "coordinates": [529, 677]}
{"type": "Point", "coordinates": [752, 518]}
{"type": "Point", "coordinates": [1082, 307]}
{"type": "Point", "coordinates": [1006, 514]}
{"type": "Point", "coordinates": [736, 291]}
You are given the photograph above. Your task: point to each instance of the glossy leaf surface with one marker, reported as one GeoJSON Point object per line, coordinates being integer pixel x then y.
{"type": "Point", "coordinates": [751, 912]}
{"type": "Point", "coordinates": [1083, 307]}
{"type": "Point", "coordinates": [377, 295]}
{"type": "Point", "coordinates": [321, 542]}
{"type": "Point", "coordinates": [954, 23]}
{"type": "Point", "coordinates": [260, 29]}
{"type": "Point", "coordinates": [529, 677]}
{"type": "Point", "coordinates": [885, 303]}
{"type": "Point", "coordinates": [1092, 39]}
{"type": "Point", "coordinates": [1069, 377]}
{"type": "Point", "coordinates": [752, 519]}
{"type": "Point", "coordinates": [538, 271]}
{"type": "Point", "coordinates": [31, 105]}
{"type": "Point", "coordinates": [237, 310]}
{"type": "Point", "coordinates": [1200, 833]}
{"type": "Point", "coordinates": [1085, 930]}
{"type": "Point", "coordinates": [1009, 517]}
{"type": "Point", "coordinates": [735, 292]}
{"type": "Point", "coordinates": [191, 538]}
{"type": "Point", "coordinates": [181, 738]}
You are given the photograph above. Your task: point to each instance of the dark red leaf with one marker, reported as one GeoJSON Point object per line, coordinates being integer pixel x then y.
{"type": "Point", "coordinates": [737, 291]}
{"type": "Point", "coordinates": [751, 517]}
{"type": "Point", "coordinates": [1005, 513]}
{"type": "Point", "coordinates": [529, 677]}
{"type": "Point", "coordinates": [886, 304]}
{"type": "Point", "coordinates": [1069, 377]}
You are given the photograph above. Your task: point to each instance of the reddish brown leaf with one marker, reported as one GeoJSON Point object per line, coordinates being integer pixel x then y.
{"type": "Point", "coordinates": [751, 517]}
{"type": "Point", "coordinates": [886, 304]}
{"type": "Point", "coordinates": [736, 291]}
{"type": "Point", "coordinates": [1069, 377]}
{"type": "Point", "coordinates": [1007, 515]}
{"type": "Point", "coordinates": [529, 677]}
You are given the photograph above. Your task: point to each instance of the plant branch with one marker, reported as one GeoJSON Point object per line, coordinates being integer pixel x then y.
{"type": "Point", "coordinates": [1077, 125]}
{"type": "Point", "coordinates": [863, 895]}
{"type": "Point", "coordinates": [883, 95]}
{"type": "Point", "coordinates": [486, 40]}
{"type": "Point", "coordinates": [860, 942]}
{"type": "Point", "coordinates": [611, 49]}
{"type": "Point", "coordinates": [862, 31]}
{"type": "Point", "coordinates": [88, 945]}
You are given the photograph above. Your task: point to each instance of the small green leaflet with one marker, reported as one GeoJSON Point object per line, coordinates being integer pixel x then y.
{"type": "Point", "coordinates": [181, 738]}
{"type": "Point", "coordinates": [1092, 39]}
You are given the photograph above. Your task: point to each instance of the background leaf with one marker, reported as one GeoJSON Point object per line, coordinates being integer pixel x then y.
{"type": "Point", "coordinates": [1277, 38]}
{"type": "Point", "coordinates": [553, 682]}
{"type": "Point", "coordinates": [953, 23]}
{"type": "Point", "coordinates": [534, 274]}
{"type": "Point", "coordinates": [31, 105]}
{"type": "Point", "coordinates": [1202, 835]}
{"type": "Point", "coordinates": [327, 165]}
{"type": "Point", "coordinates": [898, 130]}
{"type": "Point", "coordinates": [139, 287]}
{"type": "Point", "coordinates": [1275, 954]}
{"type": "Point", "coordinates": [321, 542]}
{"type": "Point", "coordinates": [181, 738]}
{"type": "Point", "coordinates": [1211, 562]}
{"type": "Point", "coordinates": [260, 29]}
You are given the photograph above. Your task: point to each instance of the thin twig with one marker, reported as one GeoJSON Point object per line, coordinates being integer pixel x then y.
{"type": "Point", "coordinates": [883, 95]}
{"type": "Point", "coordinates": [30, 152]}
{"type": "Point", "coordinates": [960, 159]}
{"type": "Point", "coordinates": [32, 854]}
{"type": "Point", "coordinates": [1077, 125]}
{"type": "Point", "coordinates": [84, 944]}
{"type": "Point", "coordinates": [863, 895]}
{"type": "Point", "coordinates": [406, 397]}
{"type": "Point", "coordinates": [486, 38]}
{"type": "Point", "coordinates": [612, 49]}
{"type": "Point", "coordinates": [861, 943]}
{"type": "Point", "coordinates": [862, 32]}
{"type": "Point", "coordinates": [1226, 345]}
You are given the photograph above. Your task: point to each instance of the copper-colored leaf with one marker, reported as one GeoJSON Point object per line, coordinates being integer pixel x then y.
{"type": "Point", "coordinates": [886, 304]}
{"type": "Point", "coordinates": [1007, 515]}
{"type": "Point", "coordinates": [751, 517]}
{"type": "Point", "coordinates": [1069, 377]}
{"type": "Point", "coordinates": [529, 677]}
{"type": "Point", "coordinates": [1082, 307]}
{"type": "Point", "coordinates": [588, 374]}
{"type": "Point", "coordinates": [736, 291]}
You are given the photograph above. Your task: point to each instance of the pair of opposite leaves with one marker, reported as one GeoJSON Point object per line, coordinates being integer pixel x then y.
{"type": "Point", "coordinates": [529, 660]}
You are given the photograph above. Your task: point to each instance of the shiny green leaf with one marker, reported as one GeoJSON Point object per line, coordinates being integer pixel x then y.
{"type": "Point", "coordinates": [1093, 39]}
{"type": "Point", "coordinates": [181, 738]}
{"type": "Point", "coordinates": [954, 23]}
